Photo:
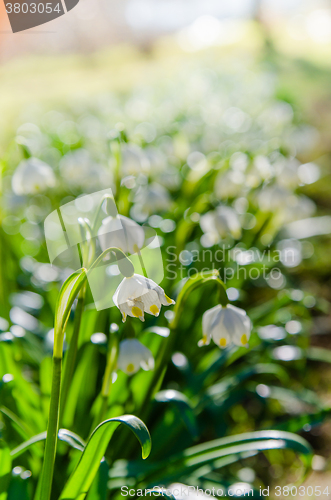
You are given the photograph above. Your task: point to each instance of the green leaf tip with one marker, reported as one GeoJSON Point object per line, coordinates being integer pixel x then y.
{"type": "Point", "coordinates": [82, 477]}
{"type": "Point", "coordinates": [140, 430]}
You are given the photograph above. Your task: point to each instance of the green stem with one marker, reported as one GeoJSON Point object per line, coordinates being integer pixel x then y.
{"type": "Point", "coordinates": [44, 491]}
{"type": "Point", "coordinates": [69, 291]}
{"type": "Point", "coordinates": [143, 268]}
{"type": "Point", "coordinates": [107, 379]}
{"type": "Point", "coordinates": [70, 358]}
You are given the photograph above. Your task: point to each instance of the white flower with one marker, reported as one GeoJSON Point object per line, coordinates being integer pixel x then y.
{"type": "Point", "coordinates": [134, 355]}
{"type": "Point", "coordinates": [220, 223]}
{"type": "Point", "coordinates": [138, 295]}
{"type": "Point", "coordinates": [121, 232]}
{"type": "Point", "coordinates": [225, 325]}
{"type": "Point", "coordinates": [32, 176]}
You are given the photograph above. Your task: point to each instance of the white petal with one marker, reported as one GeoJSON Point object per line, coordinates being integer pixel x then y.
{"type": "Point", "coordinates": [147, 362]}
{"type": "Point", "coordinates": [129, 356]}
{"type": "Point", "coordinates": [242, 338]}
{"type": "Point", "coordinates": [152, 304]}
{"type": "Point", "coordinates": [236, 309]}
{"type": "Point", "coordinates": [219, 332]}
{"type": "Point", "coordinates": [133, 355]}
{"type": "Point", "coordinates": [207, 320]}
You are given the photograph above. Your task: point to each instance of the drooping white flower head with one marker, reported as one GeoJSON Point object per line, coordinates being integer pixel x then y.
{"type": "Point", "coordinates": [138, 295]}
{"type": "Point", "coordinates": [32, 176]}
{"type": "Point", "coordinates": [121, 232]}
{"type": "Point", "coordinates": [225, 325]}
{"type": "Point", "coordinates": [221, 222]}
{"type": "Point", "coordinates": [133, 355]}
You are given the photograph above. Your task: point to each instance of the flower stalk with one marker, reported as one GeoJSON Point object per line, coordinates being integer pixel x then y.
{"type": "Point", "coordinates": [52, 430]}
{"type": "Point", "coordinates": [68, 293]}
{"type": "Point", "coordinates": [112, 356]}
{"type": "Point", "coordinates": [71, 354]}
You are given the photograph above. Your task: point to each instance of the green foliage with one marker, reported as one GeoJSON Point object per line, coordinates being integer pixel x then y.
{"type": "Point", "coordinates": [82, 477]}
{"type": "Point", "coordinates": [216, 164]}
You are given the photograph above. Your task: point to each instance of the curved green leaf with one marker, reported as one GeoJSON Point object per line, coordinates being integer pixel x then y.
{"type": "Point", "coordinates": [260, 369]}
{"type": "Point", "coordinates": [299, 422]}
{"type": "Point", "coordinates": [183, 405]}
{"type": "Point", "coordinates": [87, 468]}
{"type": "Point", "coordinates": [191, 284]}
{"type": "Point", "coordinates": [319, 354]}
{"type": "Point", "coordinates": [296, 442]}
{"type": "Point", "coordinates": [65, 435]}
{"type": "Point", "coordinates": [99, 488]}
{"type": "Point", "coordinates": [216, 453]}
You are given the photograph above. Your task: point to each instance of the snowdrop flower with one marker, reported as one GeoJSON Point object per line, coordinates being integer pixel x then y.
{"type": "Point", "coordinates": [220, 223]}
{"type": "Point", "coordinates": [32, 176]}
{"type": "Point", "coordinates": [133, 355]}
{"type": "Point", "coordinates": [225, 325]}
{"type": "Point", "coordinates": [121, 232]}
{"type": "Point", "coordinates": [138, 295]}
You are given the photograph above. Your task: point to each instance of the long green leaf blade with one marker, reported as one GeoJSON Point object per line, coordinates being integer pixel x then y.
{"type": "Point", "coordinates": [5, 470]}
{"type": "Point", "coordinates": [87, 468]}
